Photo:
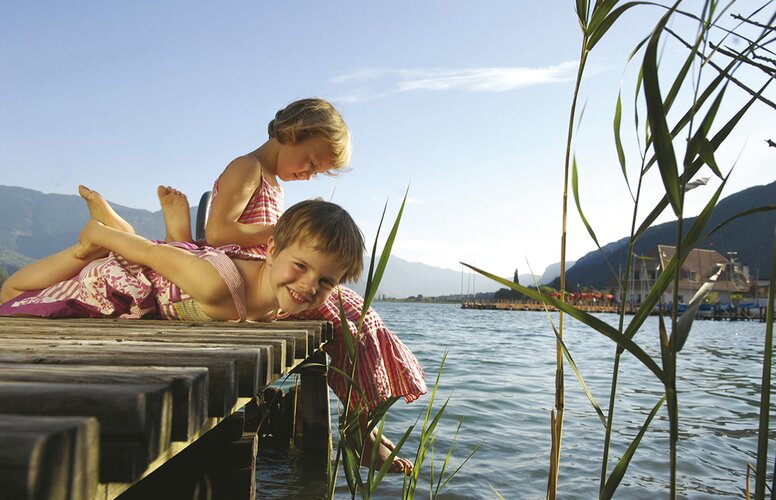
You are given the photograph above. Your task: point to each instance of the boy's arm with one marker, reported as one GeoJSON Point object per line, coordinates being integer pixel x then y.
{"type": "Point", "coordinates": [235, 188]}
{"type": "Point", "coordinates": [194, 275]}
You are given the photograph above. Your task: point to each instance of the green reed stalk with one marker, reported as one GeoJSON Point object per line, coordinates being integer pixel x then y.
{"type": "Point", "coordinates": [557, 416]}
{"type": "Point", "coordinates": [594, 25]}
{"type": "Point", "coordinates": [765, 397]}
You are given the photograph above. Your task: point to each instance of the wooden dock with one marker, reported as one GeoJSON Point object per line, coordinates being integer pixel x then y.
{"type": "Point", "coordinates": [94, 409]}
{"type": "Point", "coordinates": [717, 314]}
{"type": "Point", "coordinates": [536, 306]}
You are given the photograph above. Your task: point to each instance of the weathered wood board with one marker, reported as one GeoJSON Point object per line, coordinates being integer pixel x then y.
{"type": "Point", "coordinates": [148, 389]}
{"type": "Point", "coordinates": [48, 457]}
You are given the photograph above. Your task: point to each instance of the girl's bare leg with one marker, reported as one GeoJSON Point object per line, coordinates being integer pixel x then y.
{"type": "Point", "coordinates": [177, 220]}
{"type": "Point", "coordinates": [45, 272]}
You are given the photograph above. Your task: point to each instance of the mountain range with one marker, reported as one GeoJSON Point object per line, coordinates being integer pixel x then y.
{"type": "Point", "coordinates": [751, 237]}
{"type": "Point", "coordinates": [35, 224]}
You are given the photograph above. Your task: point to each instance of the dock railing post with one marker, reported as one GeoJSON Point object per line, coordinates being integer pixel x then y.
{"type": "Point", "coordinates": [313, 407]}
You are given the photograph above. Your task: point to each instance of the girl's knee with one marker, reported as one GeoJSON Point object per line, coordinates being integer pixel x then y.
{"type": "Point", "coordinates": [7, 291]}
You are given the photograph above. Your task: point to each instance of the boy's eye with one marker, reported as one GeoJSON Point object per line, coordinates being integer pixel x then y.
{"type": "Point", "coordinates": [301, 266]}
{"type": "Point", "coordinates": [327, 284]}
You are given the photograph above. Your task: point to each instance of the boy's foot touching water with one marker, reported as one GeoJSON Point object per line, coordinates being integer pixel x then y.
{"type": "Point", "coordinates": [177, 220]}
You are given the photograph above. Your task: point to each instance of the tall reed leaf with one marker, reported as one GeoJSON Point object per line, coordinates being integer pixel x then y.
{"type": "Point", "coordinates": [440, 484]}
{"type": "Point", "coordinates": [575, 191]}
{"type": "Point", "coordinates": [586, 318]}
{"type": "Point", "coordinates": [346, 333]}
{"type": "Point", "coordinates": [599, 29]}
{"type": "Point", "coordinates": [699, 144]}
{"type": "Point", "coordinates": [582, 12]}
{"type": "Point", "coordinates": [690, 240]}
{"type": "Point", "coordinates": [765, 397]}
{"type": "Point", "coordinates": [581, 380]}
{"type": "Point", "coordinates": [369, 295]}
{"type": "Point", "coordinates": [764, 208]}
{"type": "Point", "coordinates": [387, 464]}
{"type": "Point", "coordinates": [685, 321]}
{"type": "Point", "coordinates": [622, 466]}
{"type": "Point", "coordinates": [618, 141]}
{"type": "Point", "coordinates": [370, 273]}
{"type": "Point", "coordinates": [689, 173]}
{"type": "Point", "coordinates": [656, 116]}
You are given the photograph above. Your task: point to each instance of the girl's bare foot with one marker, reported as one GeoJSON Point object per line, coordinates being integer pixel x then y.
{"type": "Point", "coordinates": [177, 220]}
{"type": "Point", "coordinates": [399, 464]}
{"type": "Point", "coordinates": [101, 211]}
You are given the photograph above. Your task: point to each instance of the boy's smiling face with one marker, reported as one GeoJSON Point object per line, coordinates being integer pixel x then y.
{"type": "Point", "coordinates": [301, 276]}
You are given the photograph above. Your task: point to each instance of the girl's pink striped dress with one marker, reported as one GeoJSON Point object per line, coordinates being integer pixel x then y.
{"type": "Point", "coordinates": [113, 287]}
{"type": "Point", "coordinates": [386, 367]}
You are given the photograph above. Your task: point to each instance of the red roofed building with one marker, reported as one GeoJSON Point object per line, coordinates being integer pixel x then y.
{"type": "Point", "coordinates": [696, 270]}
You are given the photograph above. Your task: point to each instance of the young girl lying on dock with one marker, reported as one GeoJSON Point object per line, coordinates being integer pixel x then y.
{"type": "Point", "coordinates": [112, 272]}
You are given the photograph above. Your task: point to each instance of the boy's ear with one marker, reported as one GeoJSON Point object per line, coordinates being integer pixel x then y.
{"type": "Point", "coordinates": [270, 249]}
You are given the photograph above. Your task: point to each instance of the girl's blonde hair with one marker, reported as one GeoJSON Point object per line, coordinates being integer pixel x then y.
{"type": "Point", "coordinates": [306, 118]}
{"type": "Point", "coordinates": [328, 228]}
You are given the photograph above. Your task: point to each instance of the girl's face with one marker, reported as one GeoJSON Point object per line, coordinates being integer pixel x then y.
{"type": "Point", "coordinates": [303, 160]}
{"type": "Point", "coordinates": [301, 276]}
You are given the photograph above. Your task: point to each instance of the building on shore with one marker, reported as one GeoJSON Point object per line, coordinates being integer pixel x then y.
{"type": "Point", "coordinates": [733, 282]}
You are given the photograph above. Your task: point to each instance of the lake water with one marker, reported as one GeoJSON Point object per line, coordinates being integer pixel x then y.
{"type": "Point", "coordinates": [499, 375]}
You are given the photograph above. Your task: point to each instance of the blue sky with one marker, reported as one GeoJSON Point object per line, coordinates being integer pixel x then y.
{"type": "Point", "coordinates": [465, 103]}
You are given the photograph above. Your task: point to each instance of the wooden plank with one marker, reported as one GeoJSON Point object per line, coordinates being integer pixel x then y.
{"type": "Point", "coordinates": [138, 416]}
{"type": "Point", "coordinates": [268, 365]}
{"type": "Point", "coordinates": [188, 386]}
{"type": "Point", "coordinates": [48, 457]}
{"type": "Point", "coordinates": [322, 330]}
{"type": "Point", "coordinates": [296, 340]}
{"type": "Point", "coordinates": [247, 358]}
{"type": "Point", "coordinates": [222, 373]}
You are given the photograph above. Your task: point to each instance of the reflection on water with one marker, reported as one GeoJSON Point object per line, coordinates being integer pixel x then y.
{"type": "Point", "coordinates": [500, 375]}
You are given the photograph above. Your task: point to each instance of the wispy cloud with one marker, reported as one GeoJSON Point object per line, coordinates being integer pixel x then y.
{"type": "Point", "coordinates": [376, 82]}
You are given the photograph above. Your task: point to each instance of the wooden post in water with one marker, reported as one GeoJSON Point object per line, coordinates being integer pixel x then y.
{"type": "Point", "coordinates": [313, 407]}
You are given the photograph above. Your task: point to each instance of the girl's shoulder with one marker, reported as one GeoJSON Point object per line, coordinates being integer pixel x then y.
{"type": "Point", "coordinates": [246, 164]}
{"type": "Point", "coordinates": [243, 171]}
{"type": "Point", "coordinates": [249, 167]}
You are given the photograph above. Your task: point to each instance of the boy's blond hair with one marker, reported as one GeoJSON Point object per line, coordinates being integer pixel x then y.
{"type": "Point", "coordinates": [307, 118]}
{"type": "Point", "coordinates": [328, 228]}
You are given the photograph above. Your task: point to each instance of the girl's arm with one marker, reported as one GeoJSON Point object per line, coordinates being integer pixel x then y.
{"type": "Point", "coordinates": [196, 276]}
{"type": "Point", "coordinates": [235, 187]}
